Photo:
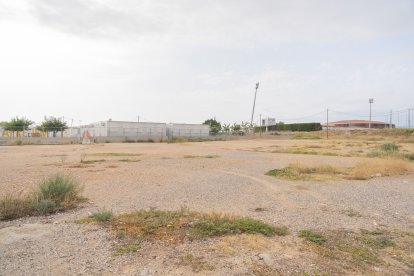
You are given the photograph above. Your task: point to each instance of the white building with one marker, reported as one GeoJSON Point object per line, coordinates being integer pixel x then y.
{"type": "Point", "coordinates": [137, 130]}
{"type": "Point", "coordinates": [268, 122]}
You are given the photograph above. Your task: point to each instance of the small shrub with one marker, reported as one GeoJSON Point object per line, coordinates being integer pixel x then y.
{"type": "Point", "coordinates": [312, 236]}
{"type": "Point", "coordinates": [103, 215]}
{"type": "Point", "coordinates": [61, 189]}
{"type": "Point", "coordinates": [44, 206]}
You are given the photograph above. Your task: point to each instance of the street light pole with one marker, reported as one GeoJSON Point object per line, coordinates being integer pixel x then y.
{"type": "Point", "coordinates": [370, 103]}
{"type": "Point", "coordinates": [254, 103]}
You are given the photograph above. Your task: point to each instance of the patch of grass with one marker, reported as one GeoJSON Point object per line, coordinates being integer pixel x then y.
{"type": "Point", "coordinates": [57, 192]}
{"type": "Point", "coordinates": [312, 236]}
{"type": "Point", "coordinates": [103, 215]}
{"type": "Point", "coordinates": [93, 161]}
{"type": "Point", "coordinates": [359, 254]}
{"type": "Point", "coordinates": [115, 154]}
{"type": "Point", "coordinates": [219, 225]}
{"type": "Point", "coordinates": [126, 249]}
{"type": "Point", "coordinates": [201, 156]}
{"type": "Point", "coordinates": [85, 220]}
{"type": "Point", "coordinates": [197, 263]}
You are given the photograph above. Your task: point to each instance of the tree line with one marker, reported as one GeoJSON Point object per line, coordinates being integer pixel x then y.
{"type": "Point", "coordinates": [49, 124]}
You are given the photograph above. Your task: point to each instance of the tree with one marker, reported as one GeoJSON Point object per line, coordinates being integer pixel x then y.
{"type": "Point", "coordinates": [235, 129]}
{"type": "Point", "coordinates": [53, 124]}
{"type": "Point", "coordinates": [17, 124]}
{"type": "Point", "coordinates": [226, 128]}
{"type": "Point", "coordinates": [215, 126]}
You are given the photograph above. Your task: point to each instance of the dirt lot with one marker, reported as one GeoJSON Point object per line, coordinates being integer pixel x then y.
{"type": "Point", "coordinates": [222, 176]}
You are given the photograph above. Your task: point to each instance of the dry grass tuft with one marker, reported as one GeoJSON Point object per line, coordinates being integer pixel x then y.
{"type": "Point", "coordinates": [377, 168]}
{"type": "Point", "coordinates": [300, 172]}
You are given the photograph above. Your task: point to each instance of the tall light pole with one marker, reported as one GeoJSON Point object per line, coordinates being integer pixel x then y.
{"type": "Point", "coordinates": [254, 103]}
{"type": "Point", "coordinates": [371, 101]}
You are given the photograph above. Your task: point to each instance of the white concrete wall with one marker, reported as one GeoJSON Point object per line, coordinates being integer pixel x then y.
{"type": "Point", "coordinates": [136, 129]}
{"type": "Point", "coordinates": [188, 130]}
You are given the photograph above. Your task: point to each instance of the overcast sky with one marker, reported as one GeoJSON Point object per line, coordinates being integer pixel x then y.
{"type": "Point", "coordinates": [188, 60]}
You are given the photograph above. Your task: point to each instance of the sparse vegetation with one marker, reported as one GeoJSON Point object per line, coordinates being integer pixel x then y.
{"type": "Point", "coordinates": [129, 160]}
{"type": "Point", "coordinates": [201, 156]}
{"type": "Point", "coordinates": [197, 263]}
{"type": "Point", "coordinates": [352, 213]}
{"type": "Point", "coordinates": [127, 249]}
{"type": "Point", "coordinates": [177, 225]}
{"type": "Point", "coordinates": [57, 192]}
{"type": "Point", "coordinates": [312, 236]}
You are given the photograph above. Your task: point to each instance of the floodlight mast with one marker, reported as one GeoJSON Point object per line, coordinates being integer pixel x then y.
{"type": "Point", "coordinates": [254, 104]}
{"type": "Point", "coordinates": [370, 101]}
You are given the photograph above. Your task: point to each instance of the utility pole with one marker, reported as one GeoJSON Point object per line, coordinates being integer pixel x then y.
{"type": "Point", "coordinates": [370, 103]}
{"type": "Point", "coordinates": [327, 123]}
{"type": "Point", "coordinates": [254, 103]}
{"type": "Point", "coordinates": [138, 118]}
{"type": "Point", "coordinates": [409, 118]}
{"type": "Point", "coordinates": [391, 119]}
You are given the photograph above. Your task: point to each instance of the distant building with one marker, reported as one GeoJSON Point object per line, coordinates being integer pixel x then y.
{"type": "Point", "coordinates": [358, 124]}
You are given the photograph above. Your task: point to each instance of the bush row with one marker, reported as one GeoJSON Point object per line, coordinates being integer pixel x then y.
{"type": "Point", "coordinates": [291, 127]}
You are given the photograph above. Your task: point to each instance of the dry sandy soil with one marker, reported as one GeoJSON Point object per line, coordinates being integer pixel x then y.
{"type": "Point", "coordinates": [234, 182]}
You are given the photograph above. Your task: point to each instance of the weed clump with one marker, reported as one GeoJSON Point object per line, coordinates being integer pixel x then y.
{"type": "Point", "coordinates": [103, 215]}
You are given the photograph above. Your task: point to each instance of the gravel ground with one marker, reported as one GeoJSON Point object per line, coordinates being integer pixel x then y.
{"type": "Point", "coordinates": [234, 183]}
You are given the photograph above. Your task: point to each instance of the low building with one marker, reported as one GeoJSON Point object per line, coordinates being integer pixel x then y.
{"type": "Point", "coordinates": [357, 124]}
{"type": "Point", "coordinates": [268, 122]}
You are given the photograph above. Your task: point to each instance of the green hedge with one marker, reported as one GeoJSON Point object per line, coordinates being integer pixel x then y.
{"type": "Point", "coordinates": [291, 127]}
